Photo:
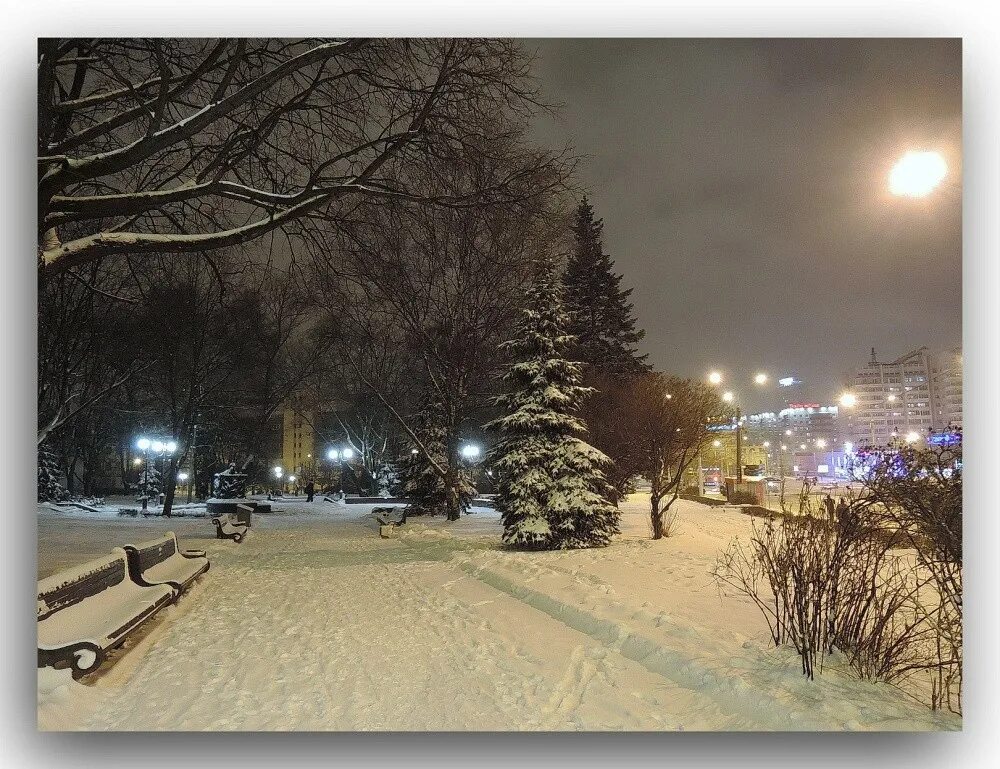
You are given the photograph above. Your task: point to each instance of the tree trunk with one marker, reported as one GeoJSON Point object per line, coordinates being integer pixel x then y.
{"type": "Point", "coordinates": [656, 515]}
{"type": "Point", "coordinates": [170, 483]}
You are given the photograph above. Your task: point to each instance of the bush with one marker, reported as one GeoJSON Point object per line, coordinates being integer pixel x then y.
{"type": "Point", "coordinates": [824, 586]}
{"type": "Point", "coordinates": [742, 497]}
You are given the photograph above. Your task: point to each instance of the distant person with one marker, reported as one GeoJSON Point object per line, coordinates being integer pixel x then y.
{"type": "Point", "coordinates": [842, 511]}
{"type": "Point", "coordinates": [830, 509]}
{"type": "Point", "coordinates": [310, 491]}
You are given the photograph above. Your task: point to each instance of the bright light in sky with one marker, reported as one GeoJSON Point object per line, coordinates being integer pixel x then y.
{"type": "Point", "coordinates": [715, 377]}
{"type": "Point", "coordinates": [728, 397]}
{"type": "Point", "coordinates": [760, 378]}
{"type": "Point", "coordinates": [916, 174]}
{"type": "Point", "coordinates": [847, 400]}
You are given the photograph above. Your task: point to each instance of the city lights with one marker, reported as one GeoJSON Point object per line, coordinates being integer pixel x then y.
{"type": "Point", "coordinates": [912, 437]}
{"type": "Point", "coordinates": [820, 443]}
{"type": "Point", "coordinates": [760, 378]}
{"type": "Point", "coordinates": [143, 444]}
{"type": "Point", "coordinates": [728, 397]}
{"type": "Point", "coordinates": [848, 400]}
{"type": "Point", "coordinates": [715, 378]}
{"type": "Point", "coordinates": [716, 444]}
{"type": "Point", "coordinates": [347, 454]}
{"type": "Point", "coordinates": [333, 455]}
{"type": "Point", "coordinates": [182, 476]}
{"type": "Point", "coordinates": [277, 472]}
{"type": "Point", "coordinates": [470, 451]}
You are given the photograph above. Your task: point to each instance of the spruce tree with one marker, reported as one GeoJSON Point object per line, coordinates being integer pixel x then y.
{"type": "Point", "coordinates": [49, 488]}
{"type": "Point", "coordinates": [426, 489]}
{"type": "Point", "coordinates": [552, 493]}
{"type": "Point", "coordinates": [601, 317]}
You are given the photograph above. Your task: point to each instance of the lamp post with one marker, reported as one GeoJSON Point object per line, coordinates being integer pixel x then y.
{"type": "Point", "coordinates": [161, 448]}
{"type": "Point", "coordinates": [760, 379]}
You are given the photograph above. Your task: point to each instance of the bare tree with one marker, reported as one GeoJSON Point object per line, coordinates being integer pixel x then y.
{"type": "Point", "coordinates": [442, 284]}
{"type": "Point", "coordinates": [671, 418]}
{"type": "Point", "coordinates": [186, 145]}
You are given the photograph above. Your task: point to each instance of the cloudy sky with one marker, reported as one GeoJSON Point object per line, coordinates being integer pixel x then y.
{"type": "Point", "coordinates": [743, 188]}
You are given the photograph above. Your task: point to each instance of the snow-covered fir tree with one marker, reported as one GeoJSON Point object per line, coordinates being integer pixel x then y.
{"type": "Point", "coordinates": [150, 483]}
{"type": "Point", "coordinates": [551, 490]}
{"type": "Point", "coordinates": [424, 486]}
{"type": "Point", "coordinates": [49, 488]}
{"type": "Point", "coordinates": [601, 317]}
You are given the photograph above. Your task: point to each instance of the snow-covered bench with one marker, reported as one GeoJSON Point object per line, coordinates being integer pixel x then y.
{"type": "Point", "coordinates": [160, 562]}
{"type": "Point", "coordinates": [386, 526]}
{"type": "Point", "coordinates": [227, 527]}
{"type": "Point", "coordinates": [243, 513]}
{"type": "Point", "coordinates": [88, 609]}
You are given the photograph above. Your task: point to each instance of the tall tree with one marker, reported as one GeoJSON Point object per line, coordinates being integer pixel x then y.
{"type": "Point", "coordinates": [601, 317]}
{"type": "Point", "coordinates": [552, 492]}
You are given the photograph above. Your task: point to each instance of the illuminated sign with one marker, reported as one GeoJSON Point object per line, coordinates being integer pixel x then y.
{"type": "Point", "coordinates": [788, 381]}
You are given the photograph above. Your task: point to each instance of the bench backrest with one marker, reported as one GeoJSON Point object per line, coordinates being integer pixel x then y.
{"type": "Point", "coordinates": [70, 586]}
{"type": "Point", "coordinates": [148, 554]}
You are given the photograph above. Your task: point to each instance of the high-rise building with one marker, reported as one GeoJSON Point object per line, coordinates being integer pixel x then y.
{"type": "Point", "coordinates": [298, 445]}
{"type": "Point", "coordinates": [946, 389]}
{"type": "Point", "coordinates": [916, 393]}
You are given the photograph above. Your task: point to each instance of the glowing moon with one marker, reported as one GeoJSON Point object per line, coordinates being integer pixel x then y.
{"type": "Point", "coordinates": [917, 174]}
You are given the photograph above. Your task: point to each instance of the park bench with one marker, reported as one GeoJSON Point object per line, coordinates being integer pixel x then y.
{"type": "Point", "coordinates": [161, 562]}
{"type": "Point", "coordinates": [386, 524]}
{"type": "Point", "coordinates": [227, 527]}
{"type": "Point", "coordinates": [87, 610]}
{"type": "Point", "coordinates": [243, 513]}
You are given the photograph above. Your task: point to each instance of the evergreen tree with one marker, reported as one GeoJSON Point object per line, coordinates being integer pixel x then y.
{"type": "Point", "coordinates": [49, 488]}
{"type": "Point", "coordinates": [150, 483]}
{"type": "Point", "coordinates": [426, 489]}
{"type": "Point", "coordinates": [551, 489]}
{"type": "Point", "coordinates": [601, 317]}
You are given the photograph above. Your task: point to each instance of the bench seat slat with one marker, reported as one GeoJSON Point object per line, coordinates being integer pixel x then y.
{"type": "Point", "coordinates": [103, 618]}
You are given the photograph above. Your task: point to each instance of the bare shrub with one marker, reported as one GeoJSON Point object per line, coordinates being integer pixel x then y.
{"type": "Point", "coordinates": [823, 587]}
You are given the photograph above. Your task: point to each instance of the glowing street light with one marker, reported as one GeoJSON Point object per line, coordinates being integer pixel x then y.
{"type": "Point", "coordinates": [715, 378]}
{"type": "Point", "coordinates": [917, 174]}
{"type": "Point", "coordinates": [333, 455]}
{"type": "Point", "coordinates": [728, 397]}
{"type": "Point", "coordinates": [912, 437]}
{"type": "Point", "coordinates": [277, 472]}
{"type": "Point", "coordinates": [760, 378]}
{"type": "Point", "coordinates": [848, 400]}
{"type": "Point", "coordinates": [137, 461]}
{"type": "Point", "coordinates": [716, 444]}
{"type": "Point", "coordinates": [820, 443]}
{"type": "Point", "coordinates": [347, 454]}
{"type": "Point", "coordinates": [143, 444]}
{"type": "Point", "coordinates": [891, 398]}
{"type": "Point", "coordinates": [470, 451]}
{"type": "Point", "coordinates": [182, 476]}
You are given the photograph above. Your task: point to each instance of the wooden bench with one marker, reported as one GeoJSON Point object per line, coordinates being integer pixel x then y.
{"type": "Point", "coordinates": [85, 611]}
{"type": "Point", "coordinates": [243, 513]}
{"type": "Point", "coordinates": [386, 526]}
{"type": "Point", "coordinates": [160, 562]}
{"type": "Point", "coordinates": [227, 527]}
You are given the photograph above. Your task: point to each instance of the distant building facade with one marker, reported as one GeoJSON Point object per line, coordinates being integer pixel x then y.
{"type": "Point", "coordinates": [919, 392]}
{"type": "Point", "coordinates": [298, 441]}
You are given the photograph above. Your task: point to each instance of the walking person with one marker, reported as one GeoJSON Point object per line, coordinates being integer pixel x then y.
{"type": "Point", "coordinates": [842, 510]}
{"type": "Point", "coordinates": [310, 490]}
{"type": "Point", "coordinates": [830, 510]}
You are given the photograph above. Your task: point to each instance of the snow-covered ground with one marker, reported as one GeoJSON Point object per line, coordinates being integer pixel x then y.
{"type": "Point", "coordinates": [315, 623]}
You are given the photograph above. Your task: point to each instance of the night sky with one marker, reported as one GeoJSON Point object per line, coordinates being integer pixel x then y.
{"type": "Point", "coordinates": [743, 189]}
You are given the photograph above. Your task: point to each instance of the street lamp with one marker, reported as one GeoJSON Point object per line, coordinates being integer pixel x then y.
{"type": "Point", "coordinates": [715, 378]}
{"type": "Point", "coordinates": [470, 451]}
{"type": "Point", "coordinates": [917, 174]}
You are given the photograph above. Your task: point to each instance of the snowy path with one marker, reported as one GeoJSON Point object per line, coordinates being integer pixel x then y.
{"type": "Point", "coordinates": [314, 623]}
